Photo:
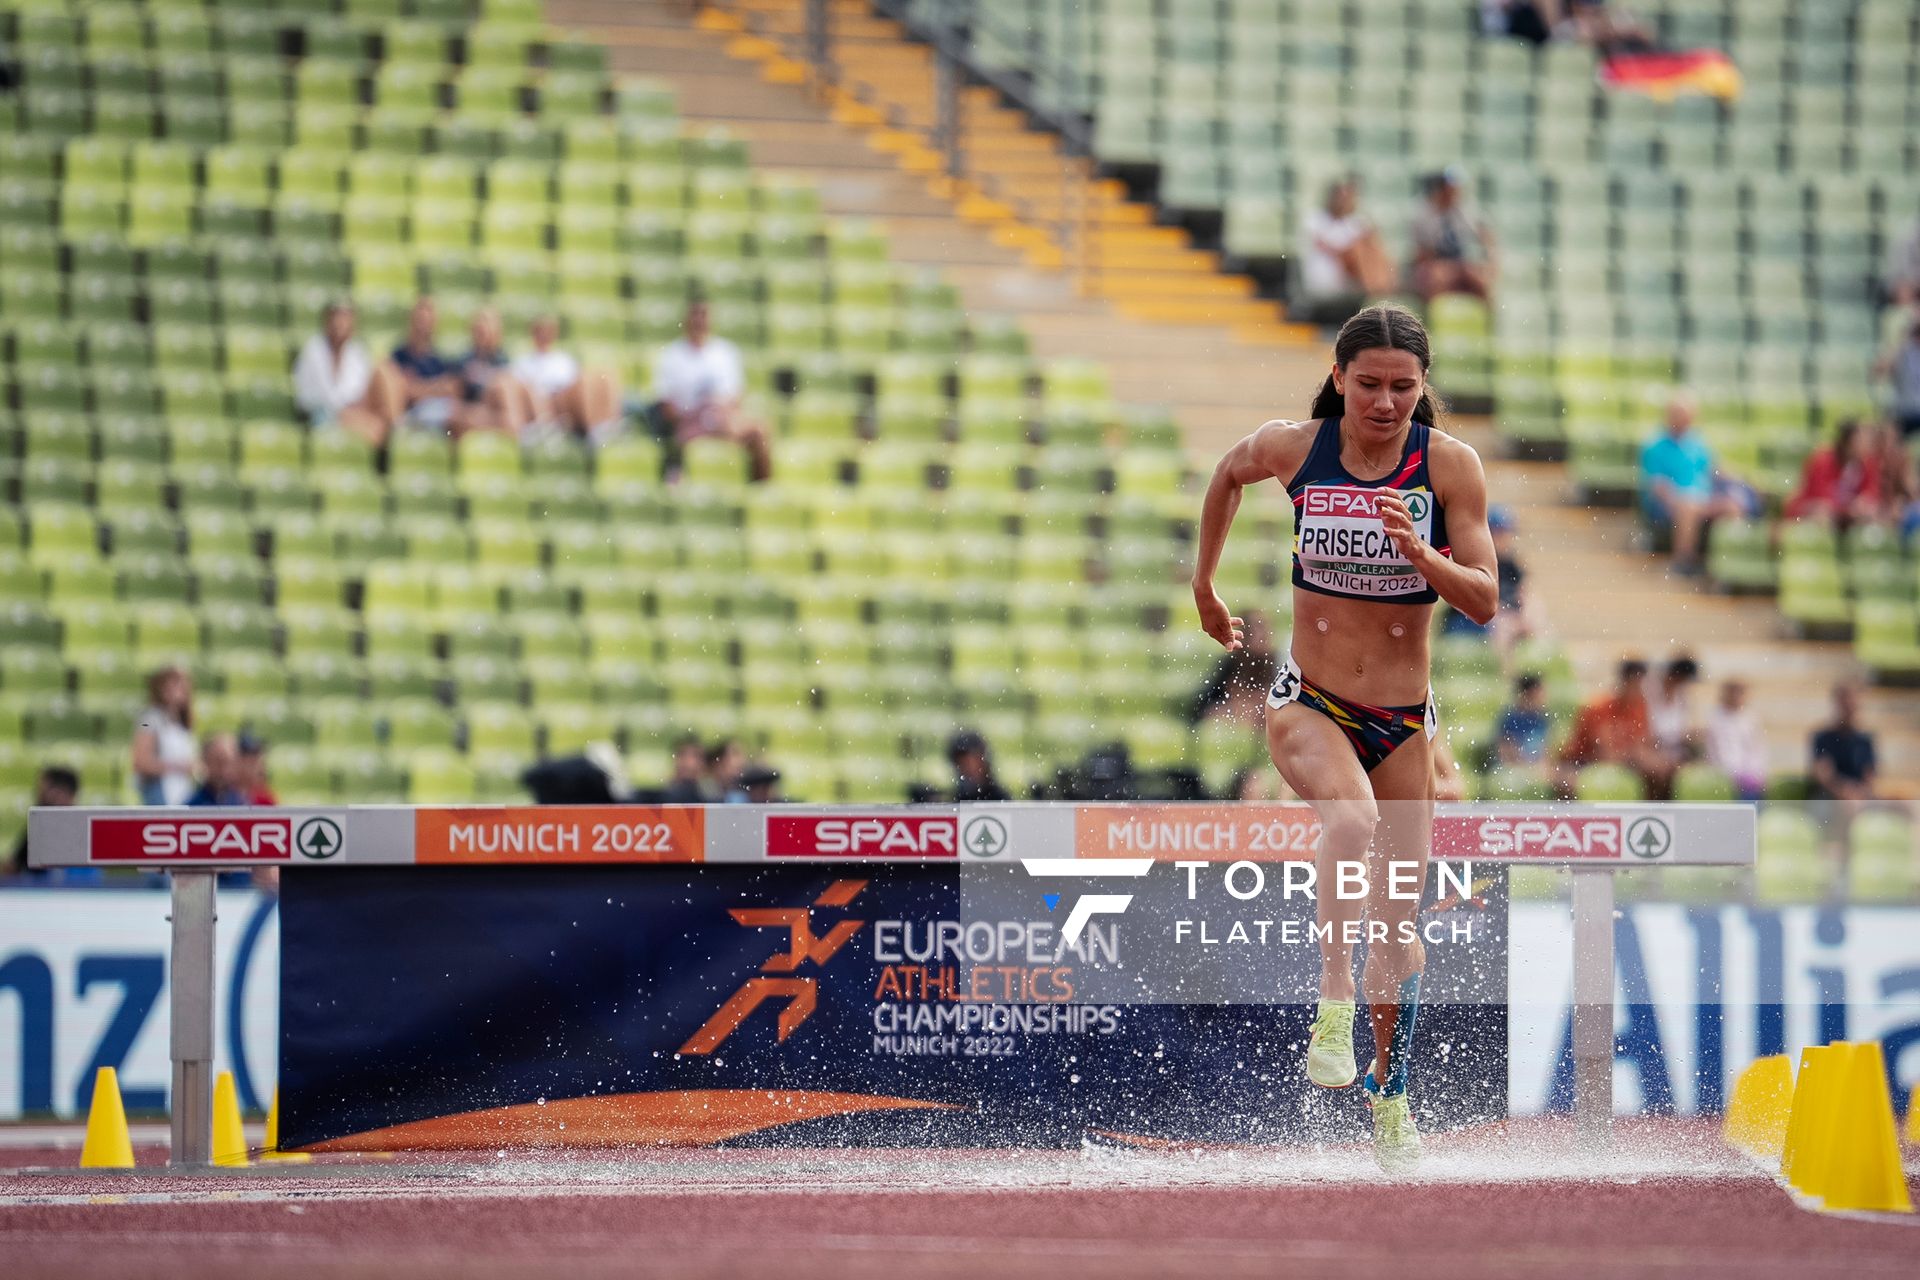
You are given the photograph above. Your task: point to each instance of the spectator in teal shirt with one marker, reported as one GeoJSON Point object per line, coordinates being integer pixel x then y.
{"type": "Point", "coordinates": [1677, 488]}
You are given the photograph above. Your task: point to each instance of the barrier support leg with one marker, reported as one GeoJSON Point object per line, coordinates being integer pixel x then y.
{"type": "Point", "coordinates": [191, 1008]}
{"type": "Point", "coordinates": [1593, 1001]}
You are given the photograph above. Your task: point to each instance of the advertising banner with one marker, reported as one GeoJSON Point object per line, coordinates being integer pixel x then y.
{"type": "Point", "coordinates": [813, 1004]}
{"type": "Point", "coordinates": [1702, 990]}
{"type": "Point", "coordinates": [83, 984]}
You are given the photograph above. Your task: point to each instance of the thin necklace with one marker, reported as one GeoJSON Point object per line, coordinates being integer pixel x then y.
{"type": "Point", "coordinates": [1360, 453]}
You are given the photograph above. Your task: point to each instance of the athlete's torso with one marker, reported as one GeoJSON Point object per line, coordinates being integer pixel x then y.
{"type": "Point", "coordinates": [1361, 611]}
{"type": "Point", "coordinates": [1339, 545]}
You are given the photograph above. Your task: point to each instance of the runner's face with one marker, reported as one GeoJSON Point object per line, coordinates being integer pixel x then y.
{"type": "Point", "coordinates": [1381, 386]}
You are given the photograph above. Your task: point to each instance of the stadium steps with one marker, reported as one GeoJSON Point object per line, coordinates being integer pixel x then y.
{"type": "Point", "coordinates": [1017, 166]}
{"type": "Point", "coordinates": [1217, 386]}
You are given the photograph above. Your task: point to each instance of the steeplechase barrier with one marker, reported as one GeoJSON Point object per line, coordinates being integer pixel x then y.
{"type": "Point", "coordinates": [1026, 973]}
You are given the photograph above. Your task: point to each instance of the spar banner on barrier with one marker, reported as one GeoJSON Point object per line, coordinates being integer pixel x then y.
{"type": "Point", "coordinates": [394, 835]}
{"type": "Point", "coordinates": [935, 1000]}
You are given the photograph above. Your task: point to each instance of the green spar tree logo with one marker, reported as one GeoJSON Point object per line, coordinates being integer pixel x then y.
{"type": "Point", "coordinates": [1648, 838]}
{"type": "Point", "coordinates": [317, 838]}
{"type": "Point", "coordinates": [1416, 505]}
{"type": "Point", "coordinates": [984, 837]}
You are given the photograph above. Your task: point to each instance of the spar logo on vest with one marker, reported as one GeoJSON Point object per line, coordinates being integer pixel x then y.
{"type": "Point", "coordinates": [1342, 546]}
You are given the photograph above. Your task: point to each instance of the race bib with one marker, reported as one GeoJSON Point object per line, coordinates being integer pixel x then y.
{"type": "Point", "coordinates": [1342, 547]}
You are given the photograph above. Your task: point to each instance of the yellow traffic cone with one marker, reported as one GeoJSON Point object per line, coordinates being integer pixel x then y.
{"type": "Point", "coordinates": [229, 1140]}
{"type": "Point", "coordinates": [1802, 1150]}
{"type": "Point", "coordinates": [273, 1151]}
{"type": "Point", "coordinates": [1756, 1120]}
{"type": "Point", "coordinates": [108, 1144]}
{"type": "Point", "coordinates": [1863, 1166]}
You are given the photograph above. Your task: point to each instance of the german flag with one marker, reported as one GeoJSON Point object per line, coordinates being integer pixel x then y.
{"type": "Point", "coordinates": [1665, 76]}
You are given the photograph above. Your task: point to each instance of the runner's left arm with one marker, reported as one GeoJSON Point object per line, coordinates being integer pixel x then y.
{"type": "Point", "coordinates": [1467, 577]}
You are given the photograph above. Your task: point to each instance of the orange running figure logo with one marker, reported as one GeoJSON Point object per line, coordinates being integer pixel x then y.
{"type": "Point", "coordinates": [800, 995]}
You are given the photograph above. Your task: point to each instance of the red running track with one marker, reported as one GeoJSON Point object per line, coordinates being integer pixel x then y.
{"type": "Point", "coordinates": [1675, 1204]}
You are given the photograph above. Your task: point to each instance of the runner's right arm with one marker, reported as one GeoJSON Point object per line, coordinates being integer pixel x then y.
{"type": "Point", "coordinates": [1276, 450]}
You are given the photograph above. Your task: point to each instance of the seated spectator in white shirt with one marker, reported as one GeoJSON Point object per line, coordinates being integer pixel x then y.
{"type": "Point", "coordinates": [1735, 744]}
{"type": "Point", "coordinates": [562, 393]}
{"type": "Point", "coordinates": [1670, 710]}
{"type": "Point", "coordinates": [1342, 263]}
{"type": "Point", "coordinates": [698, 380]}
{"type": "Point", "coordinates": [332, 378]}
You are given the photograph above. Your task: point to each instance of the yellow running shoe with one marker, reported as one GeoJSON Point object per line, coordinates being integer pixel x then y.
{"type": "Point", "coordinates": [1396, 1142]}
{"type": "Point", "coordinates": [1330, 1052]}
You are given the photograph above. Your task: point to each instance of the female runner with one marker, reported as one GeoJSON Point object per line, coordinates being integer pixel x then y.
{"type": "Point", "coordinates": [1389, 515]}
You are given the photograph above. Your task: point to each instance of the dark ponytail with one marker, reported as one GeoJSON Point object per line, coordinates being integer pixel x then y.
{"type": "Point", "coordinates": [1390, 326]}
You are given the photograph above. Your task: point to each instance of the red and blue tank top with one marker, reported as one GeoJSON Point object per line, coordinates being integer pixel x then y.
{"type": "Point", "coordinates": [1339, 545]}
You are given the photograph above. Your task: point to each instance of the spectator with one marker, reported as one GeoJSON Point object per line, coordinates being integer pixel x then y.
{"type": "Point", "coordinates": [1902, 277]}
{"type": "Point", "coordinates": [1529, 20]}
{"type": "Point", "coordinates": [689, 784]}
{"type": "Point", "coordinates": [1609, 29]}
{"type": "Point", "coordinates": [221, 780]}
{"type": "Point", "coordinates": [1520, 737]}
{"type": "Point", "coordinates": [1452, 248]}
{"type": "Point", "coordinates": [726, 761]}
{"type": "Point", "coordinates": [418, 382]}
{"type": "Point", "coordinates": [563, 395]}
{"type": "Point", "coordinates": [1342, 262]}
{"type": "Point", "coordinates": [1843, 758]}
{"type": "Point", "coordinates": [1735, 745]}
{"type": "Point", "coordinates": [1519, 615]}
{"type": "Point", "coordinates": [333, 378]}
{"type": "Point", "coordinates": [1670, 711]}
{"type": "Point", "coordinates": [56, 787]}
{"type": "Point", "coordinates": [494, 399]}
{"type": "Point", "coordinates": [1677, 486]}
{"type": "Point", "coordinates": [1613, 728]}
{"type": "Point", "coordinates": [1899, 481]}
{"type": "Point", "coordinates": [1840, 481]}
{"type": "Point", "coordinates": [1237, 687]}
{"type": "Point", "coordinates": [1900, 365]}
{"type": "Point", "coordinates": [761, 784]}
{"type": "Point", "coordinates": [251, 777]}
{"type": "Point", "coordinates": [598, 775]}
{"type": "Point", "coordinates": [163, 740]}
{"type": "Point", "coordinates": [1843, 768]}
{"type": "Point", "coordinates": [972, 761]}
{"type": "Point", "coordinates": [698, 380]}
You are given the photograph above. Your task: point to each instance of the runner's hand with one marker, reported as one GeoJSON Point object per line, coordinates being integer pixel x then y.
{"type": "Point", "coordinates": [1398, 523]}
{"type": "Point", "coordinates": [1216, 621]}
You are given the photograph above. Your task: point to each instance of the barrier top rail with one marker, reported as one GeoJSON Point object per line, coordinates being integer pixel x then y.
{"type": "Point", "coordinates": [1611, 837]}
